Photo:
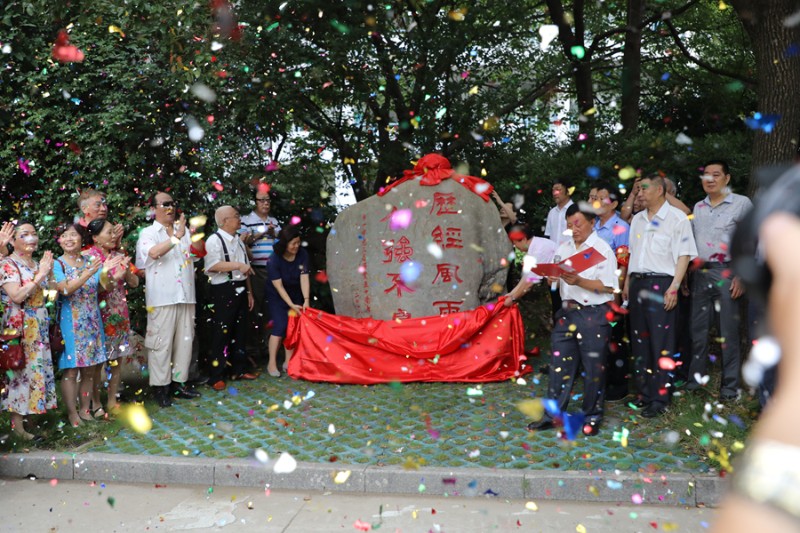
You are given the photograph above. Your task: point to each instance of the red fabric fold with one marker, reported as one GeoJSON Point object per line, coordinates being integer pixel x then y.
{"type": "Point", "coordinates": [433, 168]}
{"type": "Point", "coordinates": [485, 344]}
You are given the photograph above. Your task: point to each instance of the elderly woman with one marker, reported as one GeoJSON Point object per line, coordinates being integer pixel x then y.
{"type": "Point", "coordinates": [30, 390]}
{"type": "Point", "coordinates": [288, 289]}
{"type": "Point", "coordinates": [78, 279]}
{"type": "Point", "coordinates": [113, 308]}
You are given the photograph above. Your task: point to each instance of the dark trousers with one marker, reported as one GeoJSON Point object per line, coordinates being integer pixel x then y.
{"type": "Point", "coordinates": [711, 296]}
{"type": "Point", "coordinates": [228, 329]}
{"type": "Point", "coordinates": [617, 372]}
{"type": "Point", "coordinates": [258, 317]}
{"type": "Point", "coordinates": [580, 336]}
{"type": "Point", "coordinates": [652, 336]}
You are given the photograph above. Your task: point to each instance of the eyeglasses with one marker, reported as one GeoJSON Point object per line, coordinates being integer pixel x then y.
{"type": "Point", "coordinates": [263, 200]}
{"type": "Point", "coordinates": [167, 204]}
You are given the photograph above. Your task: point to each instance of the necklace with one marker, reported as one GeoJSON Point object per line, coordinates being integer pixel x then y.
{"type": "Point", "coordinates": [24, 261]}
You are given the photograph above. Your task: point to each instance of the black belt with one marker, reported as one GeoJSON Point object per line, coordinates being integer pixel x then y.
{"type": "Point", "coordinates": [572, 305]}
{"type": "Point", "coordinates": [718, 264]}
{"type": "Point", "coordinates": [645, 275]}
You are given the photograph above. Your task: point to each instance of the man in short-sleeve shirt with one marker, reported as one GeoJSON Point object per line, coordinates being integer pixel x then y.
{"type": "Point", "coordinates": [714, 220]}
{"type": "Point", "coordinates": [662, 245]}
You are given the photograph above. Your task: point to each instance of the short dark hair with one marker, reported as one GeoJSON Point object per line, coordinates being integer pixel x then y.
{"type": "Point", "coordinates": [566, 181]}
{"type": "Point", "coordinates": [523, 228]}
{"type": "Point", "coordinates": [257, 190]}
{"type": "Point", "coordinates": [575, 208]}
{"type": "Point", "coordinates": [606, 186]}
{"type": "Point", "coordinates": [96, 226]}
{"type": "Point", "coordinates": [721, 162]}
{"type": "Point", "coordinates": [658, 179]}
{"type": "Point", "coordinates": [86, 239]}
{"type": "Point", "coordinates": [285, 235]}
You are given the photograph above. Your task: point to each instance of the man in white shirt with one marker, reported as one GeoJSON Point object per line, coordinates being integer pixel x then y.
{"type": "Point", "coordinates": [228, 268]}
{"type": "Point", "coordinates": [714, 289]}
{"type": "Point", "coordinates": [581, 333]}
{"type": "Point", "coordinates": [165, 252]}
{"type": "Point", "coordinates": [661, 244]}
{"type": "Point", "coordinates": [556, 225]}
{"type": "Point", "coordinates": [258, 232]}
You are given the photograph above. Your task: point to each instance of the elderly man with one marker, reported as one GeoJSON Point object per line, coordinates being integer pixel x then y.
{"type": "Point", "coordinates": [580, 336]}
{"type": "Point", "coordinates": [258, 233]}
{"type": "Point", "coordinates": [92, 204]}
{"type": "Point", "coordinates": [714, 289]}
{"type": "Point", "coordinates": [228, 268]}
{"type": "Point", "coordinates": [165, 252]}
{"type": "Point", "coordinates": [662, 245]}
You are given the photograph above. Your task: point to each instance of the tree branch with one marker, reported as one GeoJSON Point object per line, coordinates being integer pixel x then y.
{"type": "Point", "coordinates": [700, 63]}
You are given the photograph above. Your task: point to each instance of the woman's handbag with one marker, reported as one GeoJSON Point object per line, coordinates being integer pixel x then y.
{"type": "Point", "coordinates": [12, 355]}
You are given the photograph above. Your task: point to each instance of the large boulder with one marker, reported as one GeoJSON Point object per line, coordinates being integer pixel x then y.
{"type": "Point", "coordinates": [418, 250]}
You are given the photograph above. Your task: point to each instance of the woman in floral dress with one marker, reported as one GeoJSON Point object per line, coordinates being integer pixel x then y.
{"type": "Point", "coordinates": [78, 279]}
{"type": "Point", "coordinates": [113, 308]}
{"type": "Point", "coordinates": [30, 390]}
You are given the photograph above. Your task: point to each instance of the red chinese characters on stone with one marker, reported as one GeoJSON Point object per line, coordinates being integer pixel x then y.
{"type": "Point", "coordinates": [447, 273]}
{"type": "Point", "coordinates": [401, 314]}
{"type": "Point", "coordinates": [444, 204]}
{"type": "Point", "coordinates": [398, 284]}
{"type": "Point", "coordinates": [447, 307]}
{"type": "Point", "coordinates": [399, 251]}
{"type": "Point", "coordinates": [447, 238]}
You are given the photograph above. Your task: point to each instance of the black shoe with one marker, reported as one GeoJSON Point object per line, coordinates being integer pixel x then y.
{"type": "Point", "coordinates": [200, 380]}
{"type": "Point", "coordinates": [616, 395]}
{"type": "Point", "coordinates": [592, 428]}
{"type": "Point", "coordinates": [161, 394]}
{"type": "Point", "coordinates": [727, 397]}
{"type": "Point", "coordinates": [180, 391]}
{"type": "Point", "coordinates": [654, 411]}
{"type": "Point", "coordinates": [638, 403]}
{"type": "Point", "coordinates": [545, 423]}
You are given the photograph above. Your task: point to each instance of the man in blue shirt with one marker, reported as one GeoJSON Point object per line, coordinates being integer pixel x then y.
{"type": "Point", "coordinates": [611, 228]}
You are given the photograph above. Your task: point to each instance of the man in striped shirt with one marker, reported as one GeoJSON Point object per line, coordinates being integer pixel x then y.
{"type": "Point", "coordinates": [258, 233]}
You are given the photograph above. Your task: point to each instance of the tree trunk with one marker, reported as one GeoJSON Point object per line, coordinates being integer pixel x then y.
{"type": "Point", "coordinates": [632, 68]}
{"type": "Point", "coordinates": [778, 77]}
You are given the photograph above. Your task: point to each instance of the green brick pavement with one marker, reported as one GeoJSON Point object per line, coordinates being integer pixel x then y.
{"type": "Point", "coordinates": [430, 424]}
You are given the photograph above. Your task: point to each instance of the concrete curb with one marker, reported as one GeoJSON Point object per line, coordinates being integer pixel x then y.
{"type": "Point", "coordinates": [656, 489]}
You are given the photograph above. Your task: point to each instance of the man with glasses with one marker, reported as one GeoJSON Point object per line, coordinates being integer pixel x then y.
{"type": "Point", "coordinates": [258, 233]}
{"type": "Point", "coordinates": [228, 269]}
{"type": "Point", "coordinates": [165, 252]}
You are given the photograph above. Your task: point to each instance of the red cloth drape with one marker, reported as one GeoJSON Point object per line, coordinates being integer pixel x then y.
{"type": "Point", "coordinates": [485, 344]}
{"type": "Point", "coordinates": [433, 168]}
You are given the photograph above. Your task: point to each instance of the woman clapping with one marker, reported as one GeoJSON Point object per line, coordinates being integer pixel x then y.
{"type": "Point", "coordinates": [78, 279]}
{"type": "Point", "coordinates": [29, 390]}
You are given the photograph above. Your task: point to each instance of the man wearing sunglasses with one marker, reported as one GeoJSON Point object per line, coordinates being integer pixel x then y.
{"type": "Point", "coordinates": [165, 252]}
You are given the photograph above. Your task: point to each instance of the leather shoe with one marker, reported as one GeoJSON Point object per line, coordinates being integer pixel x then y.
{"type": "Point", "coordinates": [638, 403]}
{"type": "Point", "coordinates": [654, 411]}
{"type": "Point", "coordinates": [541, 425]}
{"type": "Point", "coordinates": [161, 394]}
{"type": "Point", "coordinates": [728, 397]}
{"type": "Point", "coordinates": [247, 376]}
{"type": "Point", "coordinates": [180, 391]}
{"type": "Point", "coordinates": [592, 428]}
{"type": "Point", "coordinates": [217, 385]}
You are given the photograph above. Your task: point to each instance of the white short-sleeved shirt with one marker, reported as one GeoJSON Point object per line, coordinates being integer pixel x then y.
{"type": "Point", "coordinates": [170, 278]}
{"type": "Point", "coordinates": [539, 251]}
{"type": "Point", "coordinates": [216, 254]}
{"type": "Point", "coordinates": [656, 244]}
{"type": "Point", "coordinates": [557, 224]}
{"type": "Point", "coordinates": [605, 271]}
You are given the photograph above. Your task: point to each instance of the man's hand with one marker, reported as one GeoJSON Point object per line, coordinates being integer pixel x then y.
{"type": "Point", "coordinates": [670, 298]}
{"type": "Point", "coordinates": [180, 226]}
{"type": "Point", "coordinates": [571, 278]}
{"type": "Point", "coordinates": [245, 269]}
{"type": "Point", "coordinates": [251, 302]}
{"type": "Point", "coordinates": [737, 288]}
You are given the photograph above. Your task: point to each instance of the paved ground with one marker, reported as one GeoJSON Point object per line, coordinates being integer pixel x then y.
{"type": "Point", "coordinates": [75, 506]}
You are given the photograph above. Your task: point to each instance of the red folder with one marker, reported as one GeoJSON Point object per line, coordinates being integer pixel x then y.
{"type": "Point", "coordinates": [579, 262]}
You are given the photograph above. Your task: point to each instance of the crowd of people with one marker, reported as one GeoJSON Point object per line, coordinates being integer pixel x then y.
{"type": "Point", "coordinates": [243, 261]}
{"type": "Point", "coordinates": [616, 322]}
{"type": "Point", "coordinates": [619, 321]}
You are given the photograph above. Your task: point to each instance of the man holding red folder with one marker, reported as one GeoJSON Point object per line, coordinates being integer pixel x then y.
{"type": "Point", "coordinates": [587, 281]}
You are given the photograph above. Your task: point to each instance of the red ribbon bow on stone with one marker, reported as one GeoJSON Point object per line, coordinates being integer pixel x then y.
{"type": "Point", "coordinates": [433, 168]}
